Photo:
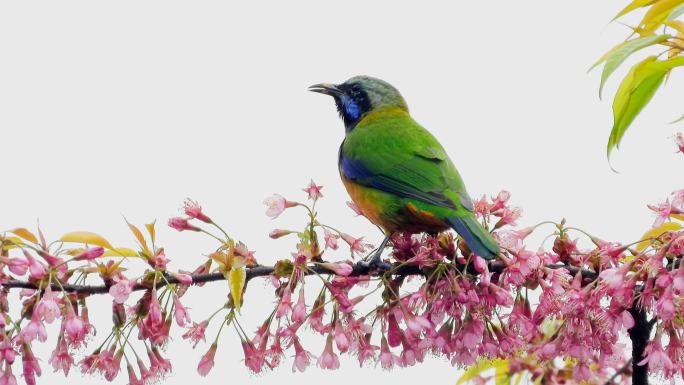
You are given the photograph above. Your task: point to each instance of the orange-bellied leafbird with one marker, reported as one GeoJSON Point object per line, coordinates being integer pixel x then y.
{"type": "Point", "coordinates": [396, 172]}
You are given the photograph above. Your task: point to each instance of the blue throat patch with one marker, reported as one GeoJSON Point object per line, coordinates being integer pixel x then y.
{"type": "Point", "coordinates": [351, 108]}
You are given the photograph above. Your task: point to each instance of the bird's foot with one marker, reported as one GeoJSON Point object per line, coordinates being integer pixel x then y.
{"type": "Point", "coordinates": [375, 262]}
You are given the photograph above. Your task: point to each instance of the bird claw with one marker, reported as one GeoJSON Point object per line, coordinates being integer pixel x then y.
{"type": "Point", "coordinates": [375, 263]}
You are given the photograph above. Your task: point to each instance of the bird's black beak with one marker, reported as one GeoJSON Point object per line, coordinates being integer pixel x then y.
{"type": "Point", "coordinates": [326, 88]}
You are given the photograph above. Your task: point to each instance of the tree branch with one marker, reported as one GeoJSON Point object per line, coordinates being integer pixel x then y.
{"type": "Point", "coordinates": [359, 269]}
{"type": "Point", "coordinates": [640, 334]}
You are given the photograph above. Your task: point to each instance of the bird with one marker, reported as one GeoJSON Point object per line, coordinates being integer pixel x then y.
{"type": "Point", "coordinates": [396, 172]}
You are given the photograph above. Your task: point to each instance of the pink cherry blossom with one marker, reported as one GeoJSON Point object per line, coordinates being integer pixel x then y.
{"type": "Point", "coordinates": [357, 245]}
{"type": "Point", "coordinates": [34, 329]}
{"type": "Point", "coordinates": [328, 359]}
{"type": "Point", "coordinates": [61, 358]}
{"type": "Point", "coordinates": [285, 304]}
{"type": "Point", "coordinates": [302, 358]}
{"type": "Point", "coordinates": [36, 269]}
{"type": "Point", "coordinates": [679, 141]}
{"type": "Point", "coordinates": [75, 330]}
{"type": "Point", "coordinates": [655, 356]}
{"type": "Point", "coordinates": [196, 332]}
{"type": "Point", "coordinates": [121, 290]}
{"type": "Point", "coordinates": [313, 191]}
{"type": "Point", "coordinates": [276, 204]}
{"type": "Point", "coordinates": [355, 208]}
{"type": "Point", "coordinates": [299, 310]}
{"type": "Point", "coordinates": [662, 211]}
{"type": "Point", "coordinates": [207, 361]}
{"type": "Point", "coordinates": [180, 312]}
{"type": "Point", "coordinates": [194, 211]}
{"type": "Point", "coordinates": [330, 239]}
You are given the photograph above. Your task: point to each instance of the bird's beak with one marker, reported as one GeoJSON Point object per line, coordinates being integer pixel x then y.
{"type": "Point", "coordinates": [326, 88]}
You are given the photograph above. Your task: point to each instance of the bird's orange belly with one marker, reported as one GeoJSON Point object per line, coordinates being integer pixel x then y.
{"type": "Point", "coordinates": [390, 212]}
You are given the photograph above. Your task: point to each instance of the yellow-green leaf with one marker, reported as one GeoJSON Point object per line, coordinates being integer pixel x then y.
{"type": "Point", "coordinates": [502, 375]}
{"type": "Point", "coordinates": [237, 277]}
{"type": "Point", "coordinates": [634, 5]}
{"type": "Point", "coordinates": [634, 93]}
{"type": "Point", "coordinates": [655, 233]}
{"type": "Point", "coordinates": [677, 216]}
{"type": "Point", "coordinates": [622, 51]}
{"type": "Point", "coordinates": [676, 12]}
{"type": "Point", "coordinates": [677, 120]}
{"type": "Point", "coordinates": [11, 243]}
{"type": "Point", "coordinates": [150, 229]}
{"type": "Point", "coordinates": [676, 25]}
{"type": "Point", "coordinates": [139, 237]}
{"type": "Point", "coordinates": [658, 13]}
{"type": "Point", "coordinates": [120, 252]}
{"type": "Point", "coordinates": [85, 237]}
{"type": "Point", "coordinates": [480, 367]}
{"type": "Point", "coordinates": [23, 233]}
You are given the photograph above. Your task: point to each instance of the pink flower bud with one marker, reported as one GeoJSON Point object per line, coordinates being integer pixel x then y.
{"type": "Point", "coordinates": [183, 279]}
{"type": "Point", "coordinates": [89, 254]}
{"type": "Point", "coordinates": [278, 233]}
{"type": "Point", "coordinates": [182, 224]}
{"type": "Point", "coordinates": [344, 269]}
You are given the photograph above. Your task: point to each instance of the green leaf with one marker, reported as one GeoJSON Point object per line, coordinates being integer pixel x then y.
{"type": "Point", "coordinates": [622, 51]}
{"type": "Point", "coordinates": [634, 5]}
{"type": "Point", "coordinates": [480, 367]}
{"type": "Point", "coordinates": [677, 120]}
{"type": "Point", "coordinates": [634, 93]}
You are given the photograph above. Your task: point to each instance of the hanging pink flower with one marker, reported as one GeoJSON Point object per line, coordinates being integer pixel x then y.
{"type": "Point", "coordinates": [207, 361]}
{"type": "Point", "coordinates": [196, 332]}
{"type": "Point", "coordinates": [302, 358]}
{"type": "Point", "coordinates": [180, 312]}
{"type": "Point", "coordinates": [330, 239]}
{"type": "Point", "coordinates": [328, 359]}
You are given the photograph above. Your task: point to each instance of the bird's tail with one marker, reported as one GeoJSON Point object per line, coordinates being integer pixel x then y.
{"type": "Point", "coordinates": [478, 239]}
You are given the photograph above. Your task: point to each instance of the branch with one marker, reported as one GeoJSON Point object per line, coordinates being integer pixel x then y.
{"type": "Point", "coordinates": [639, 334]}
{"type": "Point", "coordinates": [359, 269]}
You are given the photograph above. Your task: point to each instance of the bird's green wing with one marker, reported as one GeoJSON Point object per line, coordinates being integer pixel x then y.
{"type": "Point", "coordinates": [400, 157]}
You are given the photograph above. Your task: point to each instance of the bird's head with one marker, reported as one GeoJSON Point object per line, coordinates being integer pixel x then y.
{"type": "Point", "coordinates": [360, 95]}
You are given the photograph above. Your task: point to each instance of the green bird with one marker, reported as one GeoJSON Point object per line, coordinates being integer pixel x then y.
{"type": "Point", "coordinates": [396, 172]}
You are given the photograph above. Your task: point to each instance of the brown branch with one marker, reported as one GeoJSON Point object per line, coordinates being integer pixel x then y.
{"type": "Point", "coordinates": [359, 269]}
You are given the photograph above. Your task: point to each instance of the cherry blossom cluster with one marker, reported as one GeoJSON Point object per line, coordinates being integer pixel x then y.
{"type": "Point", "coordinates": [558, 312]}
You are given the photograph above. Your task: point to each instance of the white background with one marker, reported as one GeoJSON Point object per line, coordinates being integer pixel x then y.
{"type": "Point", "coordinates": [126, 108]}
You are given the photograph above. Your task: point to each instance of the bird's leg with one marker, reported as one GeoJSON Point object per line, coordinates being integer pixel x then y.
{"type": "Point", "coordinates": [375, 259]}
